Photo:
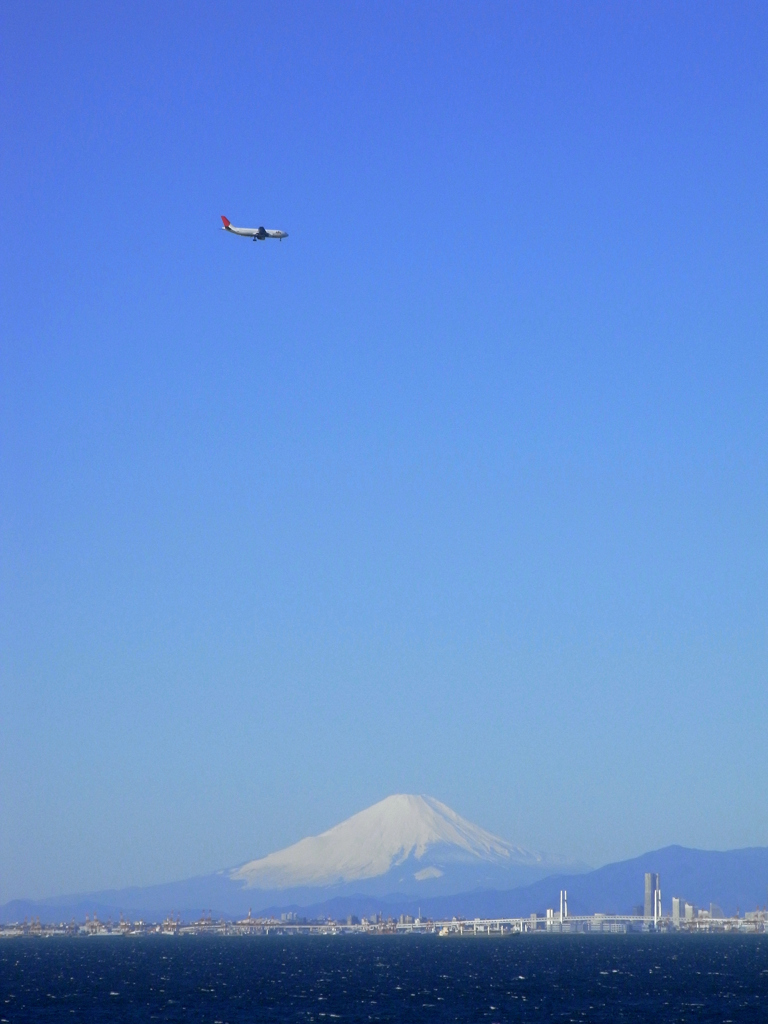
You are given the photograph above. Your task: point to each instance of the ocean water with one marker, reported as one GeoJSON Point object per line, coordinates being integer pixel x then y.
{"type": "Point", "coordinates": [654, 978]}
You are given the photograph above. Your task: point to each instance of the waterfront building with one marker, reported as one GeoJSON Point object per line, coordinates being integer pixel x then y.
{"type": "Point", "coordinates": [652, 906]}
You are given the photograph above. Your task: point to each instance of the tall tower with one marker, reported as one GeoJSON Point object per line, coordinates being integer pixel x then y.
{"type": "Point", "coordinates": [652, 901]}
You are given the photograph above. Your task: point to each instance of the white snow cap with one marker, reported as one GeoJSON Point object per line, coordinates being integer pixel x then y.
{"type": "Point", "coordinates": [372, 842]}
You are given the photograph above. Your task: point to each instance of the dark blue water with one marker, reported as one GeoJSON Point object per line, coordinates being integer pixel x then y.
{"type": "Point", "coordinates": [351, 979]}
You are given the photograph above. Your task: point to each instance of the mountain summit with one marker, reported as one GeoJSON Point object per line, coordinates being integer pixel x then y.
{"type": "Point", "coordinates": [403, 831]}
{"type": "Point", "coordinates": [404, 848]}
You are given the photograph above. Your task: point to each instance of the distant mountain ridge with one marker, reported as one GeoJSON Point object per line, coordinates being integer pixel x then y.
{"type": "Point", "coordinates": [411, 845]}
{"type": "Point", "coordinates": [403, 834]}
{"type": "Point", "coordinates": [734, 879]}
{"type": "Point", "coordinates": [412, 852]}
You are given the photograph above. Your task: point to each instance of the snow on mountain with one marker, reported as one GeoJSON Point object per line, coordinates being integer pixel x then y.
{"type": "Point", "coordinates": [399, 829]}
{"type": "Point", "coordinates": [404, 852]}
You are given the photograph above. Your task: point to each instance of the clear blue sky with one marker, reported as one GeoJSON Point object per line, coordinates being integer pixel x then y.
{"type": "Point", "coordinates": [461, 489]}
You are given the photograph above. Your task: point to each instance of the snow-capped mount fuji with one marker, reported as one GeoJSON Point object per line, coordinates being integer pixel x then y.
{"type": "Point", "coordinates": [404, 844]}
{"type": "Point", "coordinates": [399, 852]}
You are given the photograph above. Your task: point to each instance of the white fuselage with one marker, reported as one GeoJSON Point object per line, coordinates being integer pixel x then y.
{"type": "Point", "coordinates": [257, 234]}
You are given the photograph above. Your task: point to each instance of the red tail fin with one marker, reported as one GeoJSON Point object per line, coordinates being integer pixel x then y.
{"type": "Point", "coordinates": [226, 222]}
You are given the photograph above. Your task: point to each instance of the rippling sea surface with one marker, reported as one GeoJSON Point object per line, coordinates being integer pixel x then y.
{"type": "Point", "coordinates": [390, 978]}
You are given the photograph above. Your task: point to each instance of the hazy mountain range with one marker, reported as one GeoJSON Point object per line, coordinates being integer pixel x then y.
{"type": "Point", "coordinates": [404, 844]}
{"type": "Point", "coordinates": [412, 852]}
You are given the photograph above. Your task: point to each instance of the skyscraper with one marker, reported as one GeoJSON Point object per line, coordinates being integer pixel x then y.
{"type": "Point", "coordinates": [677, 905]}
{"type": "Point", "coordinates": [651, 899]}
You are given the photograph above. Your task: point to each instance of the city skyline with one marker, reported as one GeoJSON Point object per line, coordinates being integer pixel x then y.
{"type": "Point", "coordinates": [411, 858]}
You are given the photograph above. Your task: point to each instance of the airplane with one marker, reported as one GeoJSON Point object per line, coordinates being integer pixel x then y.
{"type": "Point", "coordinates": [257, 234]}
